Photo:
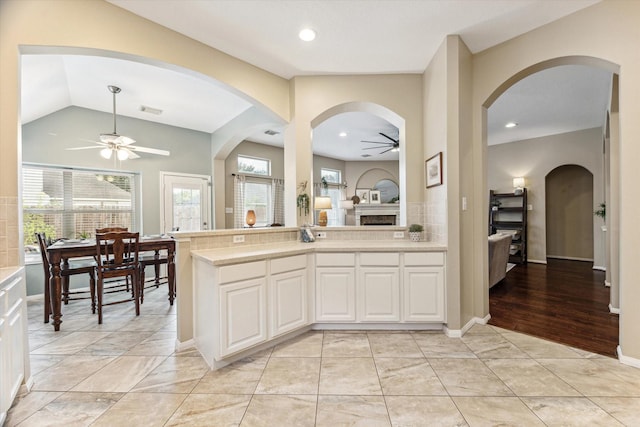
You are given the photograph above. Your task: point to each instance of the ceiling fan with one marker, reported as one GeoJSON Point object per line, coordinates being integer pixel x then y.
{"type": "Point", "coordinates": [120, 144]}
{"type": "Point", "coordinates": [390, 146]}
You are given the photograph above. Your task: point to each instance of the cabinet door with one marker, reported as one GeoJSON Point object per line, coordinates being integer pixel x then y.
{"type": "Point", "coordinates": [423, 294]}
{"type": "Point", "coordinates": [379, 294]}
{"type": "Point", "coordinates": [14, 332]}
{"type": "Point", "coordinates": [287, 302]}
{"type": "Point", "coordinates": [243, 315]}
{"type": "Point", "coordinates": [5, 392]}
{"type": "Point", "coordinates": [335, 294]}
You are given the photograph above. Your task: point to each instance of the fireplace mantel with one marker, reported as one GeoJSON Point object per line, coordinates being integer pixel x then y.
{"type": "Point", "coordinates": [382, 209]}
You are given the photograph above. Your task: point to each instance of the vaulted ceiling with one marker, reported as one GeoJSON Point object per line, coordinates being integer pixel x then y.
{"type": "Point", "coordinates": [353, 37]}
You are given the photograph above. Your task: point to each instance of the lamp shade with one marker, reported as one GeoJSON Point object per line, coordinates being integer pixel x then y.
{"type": "Point", "coordinates": [322, 202]}
{"type": "Point", "coordinates": [346, 204]}
{"type": "Point", "coordinates": [106, 153]}
{"type": "Point", "coordinates": [518, 182]}
{"type": "Point", "coordinates": [251, 217]}
{"type": "Point", "coordinates": [122, 155]}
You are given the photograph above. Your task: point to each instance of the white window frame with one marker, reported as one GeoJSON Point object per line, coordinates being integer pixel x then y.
{"type": "Point", "coordinates": [250, 158]}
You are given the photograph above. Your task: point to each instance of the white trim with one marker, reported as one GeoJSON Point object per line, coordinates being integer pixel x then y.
{"type": "Point", "coordinates": [187, 345]}
{"type": "Point", "coordinates": [537, 261]}
{"type": "Point", "coordinates": [599, 267]}
{"type": "Point", "coordinates": [626, 360]}
{"type": "Point", "coordinates": [458, 333]}
{"type": "Point", "coordinates": [607, 283]}
{"type": "Point", "coordinates": [570, 258]}
{"type": "Point", "coordinates": [614, 310]}
{"type": "Point", "coordinates": [164, 174]}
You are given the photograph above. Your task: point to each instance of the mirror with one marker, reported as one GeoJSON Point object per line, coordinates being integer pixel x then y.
{"type": "Point", "coordinates": [365, 148]}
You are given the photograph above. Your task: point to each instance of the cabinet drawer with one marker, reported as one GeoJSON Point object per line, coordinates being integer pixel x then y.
{"type": "Point", "coordinates": [13, 291]}
{"type": "Point", "coordinates": [248, 270]}
{"type": "Point", "coordinates": [281, 265]}
{"type": "Point", "coordinates": [336, 260]}
{"type": "Point", "coordinates": [377, 259]}
{"type": "Point", "coordinates": [423, 258]}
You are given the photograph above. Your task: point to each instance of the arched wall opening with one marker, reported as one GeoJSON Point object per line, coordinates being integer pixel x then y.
{"type": "Point", "coordinates": [388, 115]}
{"type": "Point", "coordinates": [612, 158]}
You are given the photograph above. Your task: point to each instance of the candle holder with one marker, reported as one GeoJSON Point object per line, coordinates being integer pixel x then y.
{"type": "Point", "coordinates": [251, 218]}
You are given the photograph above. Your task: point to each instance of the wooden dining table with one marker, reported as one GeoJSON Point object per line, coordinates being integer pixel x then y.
{"type": "Point", "coordinates": [63, 250]}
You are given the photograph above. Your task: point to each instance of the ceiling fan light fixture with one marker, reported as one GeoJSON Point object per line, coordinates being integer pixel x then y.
{"type": "Point", "coordinates": [122, 154]}
{"type": "Point", "coordinates": [106, 153]}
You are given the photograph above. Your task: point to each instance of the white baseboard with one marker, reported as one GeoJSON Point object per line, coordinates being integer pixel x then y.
{"type": "Point", "coordinates": [614, 310]}
{"type": "Point", "coordinates": [186, 345]}
{"type": "Point", "coordinates": [537, 261]}
{"type": "Point", "coordinates": [570, 258]}
{"type": "Point", "coordinates": [599, 267]}
{"type": "Point", "coordinates": [458, 333]}
{"type": "Point", "coordinates": [626, 360]}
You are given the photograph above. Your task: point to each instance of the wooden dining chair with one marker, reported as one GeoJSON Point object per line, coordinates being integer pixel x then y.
{"type": "Point", "coordinates": [112, 229]}
{"type": "Point", "coordinates": [117, 257]}
{"type": "Point", "coordinates": [67, 269]}
{"type": "Point", "coordinates": [155, 259]}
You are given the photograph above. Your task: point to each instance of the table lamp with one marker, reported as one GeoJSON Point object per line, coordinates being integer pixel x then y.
{"type": "Point", "coordinates": [320, 203]}
{"type": "Point", "coordinates": [251, 217]}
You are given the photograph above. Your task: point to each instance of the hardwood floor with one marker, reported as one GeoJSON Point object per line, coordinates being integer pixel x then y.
{"type": "Point", "coordinates": [563, 301]}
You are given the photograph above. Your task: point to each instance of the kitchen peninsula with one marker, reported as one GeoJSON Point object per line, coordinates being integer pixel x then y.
{"type": "Point", "coordinates": [251, 295]}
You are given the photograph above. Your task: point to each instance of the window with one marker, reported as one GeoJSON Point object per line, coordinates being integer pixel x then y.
{"type": "Point", "coordinates": [73, 202]}
{"type": "Point", "coordinates": [335, 190]}
{"type": "Point", "coordinates": [257, 196]}
{"type": "Point", "coordinates": [254, 166]}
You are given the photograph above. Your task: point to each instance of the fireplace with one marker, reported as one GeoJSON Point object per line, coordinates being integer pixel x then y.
{"type": "Point", "coordinates": [377, 220]}
{"type": "Point", "coordinates": [379, 214]}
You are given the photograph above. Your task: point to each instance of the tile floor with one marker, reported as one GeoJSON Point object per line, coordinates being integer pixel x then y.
{"type": "Point", "coordinates": [126, 372]}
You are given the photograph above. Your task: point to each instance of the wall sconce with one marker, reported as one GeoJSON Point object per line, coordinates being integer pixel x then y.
{"type": "Point", "coordinates": [251, 218]}
{"type": "Point", "coordinates": [320, 203]}
{"type": "Point", "coordinates": [518, 185]}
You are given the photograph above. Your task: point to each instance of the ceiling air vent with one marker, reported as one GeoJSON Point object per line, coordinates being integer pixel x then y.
{"type": "Point", "coordinates": [271, 132]}
{"type": "Point", "coordinates": [365, 155]}
{"type": "Point", "coordinates": [150, 110]}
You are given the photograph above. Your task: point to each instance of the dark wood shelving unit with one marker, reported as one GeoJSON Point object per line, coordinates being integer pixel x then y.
{"type": "Point", "coordinates": [508, 212]}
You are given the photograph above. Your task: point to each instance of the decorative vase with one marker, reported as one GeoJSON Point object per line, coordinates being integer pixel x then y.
{"type": "Point", "coordinates": [415, 236]}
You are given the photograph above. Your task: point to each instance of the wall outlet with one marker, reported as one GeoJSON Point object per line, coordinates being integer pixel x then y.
{"type": "Point", "coordinates": [529, 207]}
{"type": "Point", "coordinates": [239, 238]}
{"type": "Point", "coordinates": [398, 234]}
{"type": "Point", "coordinates": [321, 234]}
{"type": "Point", "coordinates": [228, 210]}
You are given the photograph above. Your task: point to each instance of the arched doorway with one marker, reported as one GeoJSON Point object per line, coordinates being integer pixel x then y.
{"type": "Point", "coordinates": [569, 216]}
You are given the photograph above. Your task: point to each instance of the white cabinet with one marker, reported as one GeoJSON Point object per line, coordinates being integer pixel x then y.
{"type": "Point", "coordinates": [13, 339]}
{"type": "Point", "coordinates": [335, 287]}
{"type": "Point", "coordinates": [288, 306]}
{"type": "Point", "coordinates": [423, 285]}
{"type": "Point", "coordinates": [379, 287]}
{"type": "Point", "coordinates": [243, 315]}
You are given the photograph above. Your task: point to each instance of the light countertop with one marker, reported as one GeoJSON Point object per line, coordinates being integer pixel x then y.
{"type": "Point", "coordinates": [239, 254]}
{"type": "Point", "coordinates": [7, 273]}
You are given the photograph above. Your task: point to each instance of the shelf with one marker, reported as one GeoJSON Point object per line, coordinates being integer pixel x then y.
{"type": "Point", "coordinates": [514, 217]}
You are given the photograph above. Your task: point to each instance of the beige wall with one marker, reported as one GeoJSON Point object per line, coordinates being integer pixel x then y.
{"type": "Point", "coordinates": [450, 99]}
{"type": "Point", "coordinates": [534, 159]}
{"type": "Point", "coordinates": [605, 35]}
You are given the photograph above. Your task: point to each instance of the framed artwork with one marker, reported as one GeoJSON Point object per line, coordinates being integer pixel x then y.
{"type": "Point", "coordinates": [433, 170]}
{"type": "Point", "coordinates": [374, 197]}
{"type": "Point", "coordinates": [364, 195]}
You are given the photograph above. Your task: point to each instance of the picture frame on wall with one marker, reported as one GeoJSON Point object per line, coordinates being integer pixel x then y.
{"type": "Point", "coordinates": [433, 170]}
{"type": "Point", "coordinates": [364, 195]}
{"type": "Point", "coordinates": [374, 197]}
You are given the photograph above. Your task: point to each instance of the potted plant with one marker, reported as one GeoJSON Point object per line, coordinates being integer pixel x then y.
{"type": "Point", "coordinates": [415, 232]}
{"type": "Point", "coordinates": [601, 211]}
{"type": "Point", "coordinates": [302, 201]}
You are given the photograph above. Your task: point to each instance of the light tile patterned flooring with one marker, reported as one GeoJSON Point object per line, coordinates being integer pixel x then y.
{"type": "Point", "coordinates": [126, 372]}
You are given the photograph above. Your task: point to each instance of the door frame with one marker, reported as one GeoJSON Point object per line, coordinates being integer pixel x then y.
{"type": "Point", "coordinates": [163, 175]}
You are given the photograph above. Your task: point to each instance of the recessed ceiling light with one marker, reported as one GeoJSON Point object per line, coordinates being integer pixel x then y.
{"type": "Point", "coordinates": [307, 35]}
{"type": "Point", "coordinates": [342, 134]}
{"type": "Point", "coordinates": [511, 125]}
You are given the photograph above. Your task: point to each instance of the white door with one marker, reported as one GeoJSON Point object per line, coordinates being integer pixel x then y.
{"type": "Point", "coordinates": [186, 202]}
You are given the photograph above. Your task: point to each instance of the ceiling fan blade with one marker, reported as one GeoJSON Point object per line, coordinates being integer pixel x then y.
{"type": "Point", "coordinates": [131, 154]}
{"type": "Point", "coordinates": [149, 150]}
{"type": "Point", "coordinates": [388, 137]}
{"type": "Point", "coordinates": [95, 142]}
{"type": "Point", "coordinates": [378, 142]}
{"type": "Point", "coordinates": [387, 150]}
{"type": "Point", "coordinates": [124, 140]}
{"type": "Point", "coordinates": [83, 148]}
{"type": "Point", "coordinates": [376, 148]}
